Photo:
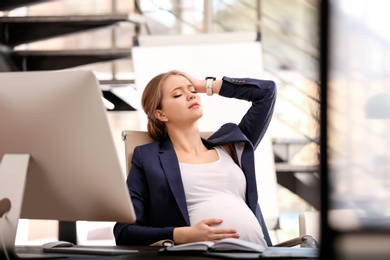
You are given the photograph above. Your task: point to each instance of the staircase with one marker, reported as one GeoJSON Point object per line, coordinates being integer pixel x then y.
{"type": "Point", "coordinates": [16, 31]}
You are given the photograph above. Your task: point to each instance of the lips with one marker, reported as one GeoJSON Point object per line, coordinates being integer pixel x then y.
{"type": "Point", "coordinates": [195, 104]}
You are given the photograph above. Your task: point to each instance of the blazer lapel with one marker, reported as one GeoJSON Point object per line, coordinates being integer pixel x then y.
{"type": "Point", "coordinates": [248, 164]}
{"type": "Point", "coordinates": [171, 168]}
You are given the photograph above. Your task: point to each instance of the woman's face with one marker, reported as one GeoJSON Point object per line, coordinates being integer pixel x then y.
{"type": "Point", "coordinates": [180, 103]}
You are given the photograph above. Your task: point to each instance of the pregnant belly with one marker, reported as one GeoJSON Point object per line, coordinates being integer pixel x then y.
{"type": "Point", "coordinates": [235, 214]}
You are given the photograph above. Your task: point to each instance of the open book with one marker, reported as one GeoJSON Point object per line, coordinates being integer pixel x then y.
{"type": "Point", "coordinates": [226, 244]}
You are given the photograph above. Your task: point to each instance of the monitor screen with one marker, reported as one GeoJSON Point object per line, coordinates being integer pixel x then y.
{"type": "Point", "coordinates": [74, 172]}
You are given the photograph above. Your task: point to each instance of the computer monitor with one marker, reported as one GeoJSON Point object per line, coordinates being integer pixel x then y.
{"type": "Point", "coordinates": [58, 157]}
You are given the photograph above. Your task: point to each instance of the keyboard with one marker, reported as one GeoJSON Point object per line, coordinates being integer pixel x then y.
{"type": "Point", "coordinates": [88, 250]}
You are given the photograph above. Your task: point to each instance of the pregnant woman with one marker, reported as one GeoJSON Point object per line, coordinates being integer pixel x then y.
{"type": "Point", "coordinates": [185, 188]}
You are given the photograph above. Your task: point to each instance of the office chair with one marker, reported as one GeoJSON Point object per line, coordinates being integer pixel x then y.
{"type": "Point", "coordinates": [133, 138]}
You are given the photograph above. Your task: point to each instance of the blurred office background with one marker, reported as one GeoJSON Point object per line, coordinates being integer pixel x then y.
{"type": "Point", "coordinates": [99, 35]}
{"type": "Point", "coordinates": [357, 74]}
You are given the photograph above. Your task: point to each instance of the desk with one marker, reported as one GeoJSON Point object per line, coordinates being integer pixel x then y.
{"type": "Point", "coordinates": [144, 252]}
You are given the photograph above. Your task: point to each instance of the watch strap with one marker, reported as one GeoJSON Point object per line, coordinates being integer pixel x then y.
{"type": "Point", "coordinates": [209, 85]}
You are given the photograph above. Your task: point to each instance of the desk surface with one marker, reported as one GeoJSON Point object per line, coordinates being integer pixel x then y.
{"type": "Point", "coordinates": [143, 252]}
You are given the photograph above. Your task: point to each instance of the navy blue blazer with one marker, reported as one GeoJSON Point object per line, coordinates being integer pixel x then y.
{"type": "Point", "coordinates": [154, 180]}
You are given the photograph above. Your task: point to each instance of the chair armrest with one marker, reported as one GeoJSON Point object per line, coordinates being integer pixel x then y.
{"type": "Point", "coordinates": [304, 241]}
{"type": "Point", "coordinates": [164, 242]}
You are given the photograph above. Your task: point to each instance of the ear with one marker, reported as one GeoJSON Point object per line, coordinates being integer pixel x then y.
{"type": "Point", "coordinates": [160, 115]}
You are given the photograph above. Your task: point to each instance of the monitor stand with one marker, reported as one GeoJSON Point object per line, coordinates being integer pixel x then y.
{"type": "Point", "coordinates": [13, 173]}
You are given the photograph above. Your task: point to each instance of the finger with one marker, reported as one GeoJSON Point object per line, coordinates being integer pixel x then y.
{"type": "Point", "coordinates": [224, 231]}
{"type": "Point", "coordinates": [217, 237]}
{"type": "Point", "coordinates": [212, 221]}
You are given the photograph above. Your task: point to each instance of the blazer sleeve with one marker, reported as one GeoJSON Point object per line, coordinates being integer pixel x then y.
{"type": "Point", "coordinates": [262, 94]}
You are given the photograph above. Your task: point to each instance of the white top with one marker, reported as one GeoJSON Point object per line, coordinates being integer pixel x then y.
{"type": "Point", "coordinates": [217, 190]}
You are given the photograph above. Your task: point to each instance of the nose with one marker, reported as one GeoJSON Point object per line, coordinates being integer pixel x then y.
{"type": "Point", "coordinates": [191, 95]}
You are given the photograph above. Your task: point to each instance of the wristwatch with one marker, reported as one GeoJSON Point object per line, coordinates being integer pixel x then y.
{"type": "Point", "coordinates": [209, 85]}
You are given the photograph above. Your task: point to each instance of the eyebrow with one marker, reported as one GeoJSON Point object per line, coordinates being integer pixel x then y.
{"type": "Point", "coordinates": [181, 87]}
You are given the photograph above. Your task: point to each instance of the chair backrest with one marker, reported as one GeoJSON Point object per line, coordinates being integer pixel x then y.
{"type": "Point", "coordinates": [133, 138]}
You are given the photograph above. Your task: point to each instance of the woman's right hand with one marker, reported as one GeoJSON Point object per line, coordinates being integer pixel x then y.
{"type": "Point", "coordinates": [204, 230]}
{"type": "Point", "coordinates": [198, 84]}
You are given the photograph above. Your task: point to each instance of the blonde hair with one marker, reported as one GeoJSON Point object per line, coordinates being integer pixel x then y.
{"type": "Point", "coordinates": [151, 101]}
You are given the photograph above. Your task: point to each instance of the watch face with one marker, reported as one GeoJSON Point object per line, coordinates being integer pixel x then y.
{"type": "Point", "coordinates": [213, 78]}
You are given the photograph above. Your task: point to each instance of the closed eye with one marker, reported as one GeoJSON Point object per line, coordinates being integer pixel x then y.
{"type": "Point", "coordinates": [177, 96]}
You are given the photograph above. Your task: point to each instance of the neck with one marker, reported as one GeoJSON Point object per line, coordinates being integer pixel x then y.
{"type": "Point", "coordinates": [186, 140]}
